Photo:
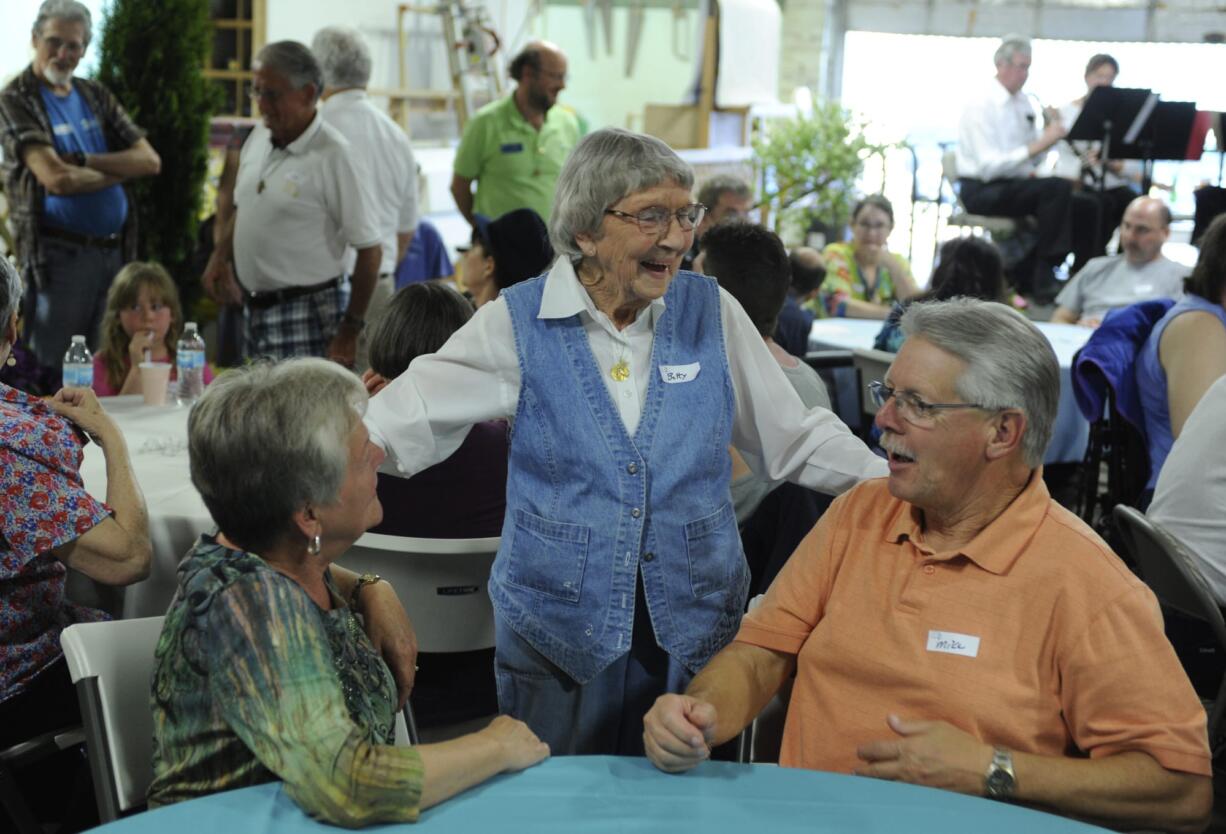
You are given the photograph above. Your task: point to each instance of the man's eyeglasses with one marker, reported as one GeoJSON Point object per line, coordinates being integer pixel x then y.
{"type": "Point", "coordinates": [270, 96]}
{"type": "Point", "coordinates": [913, 409]}
{"type": "Point", "coordinates": [655, 221]}
{"type": "Point", "coordinates": [71, 47]}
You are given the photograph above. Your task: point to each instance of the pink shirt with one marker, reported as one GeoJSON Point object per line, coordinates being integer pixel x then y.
{"type": "Point", "coordinates": [102, 386]}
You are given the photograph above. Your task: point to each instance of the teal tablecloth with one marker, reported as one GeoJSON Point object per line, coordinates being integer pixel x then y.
{"type": "Point", "coordinates": [599, 794]}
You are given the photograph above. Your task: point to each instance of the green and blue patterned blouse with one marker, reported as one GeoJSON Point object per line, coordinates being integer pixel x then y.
{"type": "Point", "coordinates": [254, 682]}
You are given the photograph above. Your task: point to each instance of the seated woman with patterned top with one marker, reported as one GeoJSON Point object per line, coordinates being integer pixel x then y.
{"type": "Point", "coordinates": [863, 278]}
{"type": "Point", "coordinates": [49, 523]}
{"type": "Point", "coordinates": [263, 670]}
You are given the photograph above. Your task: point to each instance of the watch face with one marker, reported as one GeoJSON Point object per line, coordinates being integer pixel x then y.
{"type": "Point", "coordinates": [1000, 783]}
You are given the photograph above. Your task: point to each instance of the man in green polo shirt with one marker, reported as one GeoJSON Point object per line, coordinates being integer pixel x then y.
{"type": "Point", "coordinates": [514, 147]}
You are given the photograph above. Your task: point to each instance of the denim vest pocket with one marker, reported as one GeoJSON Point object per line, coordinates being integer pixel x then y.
{"type": "Point", "coordinates": [708, 540]}
{"type": "Point", "coordinates": [548, 556]}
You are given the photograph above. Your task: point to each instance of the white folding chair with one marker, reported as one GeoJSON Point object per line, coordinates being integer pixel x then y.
{"type": "Point", "coordinates": [111, 664]}
{"type": "Point", "coordinates": [441, 582]}
{"type": "Point", "coordinates": [871, 365]}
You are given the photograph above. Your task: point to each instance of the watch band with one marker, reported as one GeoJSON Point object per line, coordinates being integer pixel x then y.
{"type": "Point", "coordinates": [358, 324]}
{"type": "Point", "coordinates": [363, 580]}
{"type": "Point", "coordinates": [999, 781]}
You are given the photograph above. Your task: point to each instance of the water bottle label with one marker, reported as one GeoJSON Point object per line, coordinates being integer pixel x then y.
{"type": "Point", "coordinates": [78, 376]}
{"type": "Point", "coordinates": [189, 360]}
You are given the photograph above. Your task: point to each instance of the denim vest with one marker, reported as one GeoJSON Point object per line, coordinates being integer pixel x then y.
{"type": "Point", "coordinates": [1152, 384]}
{"type": "Point", "coordinates": [589, 506]}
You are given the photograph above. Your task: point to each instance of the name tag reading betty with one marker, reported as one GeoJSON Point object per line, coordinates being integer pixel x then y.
{"type": "Point", "coordinates": [950, 642]}
{"type": "Point", "coordinates": [679, 373]}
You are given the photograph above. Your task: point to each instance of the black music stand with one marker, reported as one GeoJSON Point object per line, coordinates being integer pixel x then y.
{"type": "Point", "coordinates": [1110, 115]}
{"type": "Point", "coordinates": [1166, 135]}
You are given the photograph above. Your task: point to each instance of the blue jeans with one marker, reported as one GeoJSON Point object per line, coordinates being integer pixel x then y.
{"type": "Point", "coordinates": [604, 716]}
{"type": "Point", "coordinates": [70, 301]}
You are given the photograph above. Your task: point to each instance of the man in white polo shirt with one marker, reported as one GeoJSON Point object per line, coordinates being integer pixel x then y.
{"type": "Point", "coordinates": [300, 200]}
{"type": "Point", "coordinates": [1138, 273]}
{"type": "Point", "coordinates": [378, 143]}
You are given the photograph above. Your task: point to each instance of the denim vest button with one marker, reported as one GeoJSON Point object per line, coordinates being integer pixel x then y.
{"type": "Point", "coordinates": [647, 557]}
{"type": "Point", "coordinates": [636, 512]}
{"type": "Point", "coordinates": [632, 468]}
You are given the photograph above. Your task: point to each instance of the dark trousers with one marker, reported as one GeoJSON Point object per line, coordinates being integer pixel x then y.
{"type": "Point", "coordinates": [1067, 220]}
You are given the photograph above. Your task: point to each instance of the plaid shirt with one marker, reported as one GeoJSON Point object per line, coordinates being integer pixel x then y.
{"type": "Point", "coordinates": [23, 121]}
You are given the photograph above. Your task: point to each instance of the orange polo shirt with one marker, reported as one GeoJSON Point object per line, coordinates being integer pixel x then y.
{"type": "Point", "coordinates": [1034, 637]}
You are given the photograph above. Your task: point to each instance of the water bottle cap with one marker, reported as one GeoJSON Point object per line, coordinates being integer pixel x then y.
{"type": "Point", "coordinates": [78, 340]}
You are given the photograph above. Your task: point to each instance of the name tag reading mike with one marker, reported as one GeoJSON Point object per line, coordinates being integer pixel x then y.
{"type": "Point", "coordinates": [950, 642]}
{"type": "Point", "coordinates": [679, 373]}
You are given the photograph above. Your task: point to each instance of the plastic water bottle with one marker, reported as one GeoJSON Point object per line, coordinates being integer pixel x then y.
{"type": "Point", "coordinates": [78, 365]}
{"type": "Point", "coordinates": [190, 362]}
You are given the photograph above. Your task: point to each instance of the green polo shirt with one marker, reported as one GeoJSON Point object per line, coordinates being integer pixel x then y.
{"type": "Point", "coordinates": [515, 165]}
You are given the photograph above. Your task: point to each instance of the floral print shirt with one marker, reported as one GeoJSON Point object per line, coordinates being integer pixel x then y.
{"type": "Point", "coordinates": [43, 505]}
{"type": "Point", "coordinates": [253, 681]}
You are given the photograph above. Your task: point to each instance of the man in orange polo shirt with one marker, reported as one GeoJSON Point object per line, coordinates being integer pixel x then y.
{"type": "Point", "coordinates": [951, 625]}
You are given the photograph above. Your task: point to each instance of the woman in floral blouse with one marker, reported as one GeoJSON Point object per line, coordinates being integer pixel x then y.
{"type": "Point", "coordinates": [48, 523]}
{"type": "Point", "coordinates": [263, 670]}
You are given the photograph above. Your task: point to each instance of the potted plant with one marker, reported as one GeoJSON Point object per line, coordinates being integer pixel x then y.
{"type": "Point", "coordinates": [809, 165]}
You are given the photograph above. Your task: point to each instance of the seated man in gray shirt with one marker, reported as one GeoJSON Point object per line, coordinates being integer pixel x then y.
{"type": "Point", "coordinates": [751, 263]}
{"type": "Point", "coordinates": [1138, 273]}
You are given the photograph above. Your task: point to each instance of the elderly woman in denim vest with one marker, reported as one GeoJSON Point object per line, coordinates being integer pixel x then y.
{"type": "Point", "coordinates": [620, 571]}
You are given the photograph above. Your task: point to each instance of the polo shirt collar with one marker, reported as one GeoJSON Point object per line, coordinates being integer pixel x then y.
{"type": "Point", "coordinates": [564, 296]}
{"type": "Point", "coordinates": [998, 545]}
{"type": "Point", "coordinates": [514, 117]}
{"type": "Point", "coordinates": [304, 139]}
{"type": "Point", "coordinates": [342, 98]}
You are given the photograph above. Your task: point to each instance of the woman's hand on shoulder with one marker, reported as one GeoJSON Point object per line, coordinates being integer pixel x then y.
{"type": "Point", "coordinates": [518, 745]}
{"type": "Point", "coordinates": [374, 382]}
{"type": "Point", "coordinates": [81, 406]}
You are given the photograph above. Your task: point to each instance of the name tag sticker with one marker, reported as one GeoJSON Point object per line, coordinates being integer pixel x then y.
{"type": "Point", "coordinates": [295, 177]}
{"type": "Point", "coordinates": [1144, 289]}
{"type": "Point", "coordinates": [679, 373]}
{"type": "Point", "coordinates": [512, 147]}
{"type": "Point", "coordinates": [62, 129]}
{"type": "Point", "coordinates": [950, 642]}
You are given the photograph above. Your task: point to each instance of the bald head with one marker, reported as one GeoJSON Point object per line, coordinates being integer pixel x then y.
{"type": "Point", "coordinates": [1145, 227]}
{"type": "Point", "coordinates": [808, 271]}
{"type": "Point", "coordinates": [540, 68]}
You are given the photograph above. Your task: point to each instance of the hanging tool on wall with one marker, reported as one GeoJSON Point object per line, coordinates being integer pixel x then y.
{"type": "Point", "coordinates": [634, 30]}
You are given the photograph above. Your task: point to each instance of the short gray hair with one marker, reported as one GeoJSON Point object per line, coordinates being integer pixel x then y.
{"type": "Point", "coordinates": [10, 293]}
{"type": "Point", "coordinates": [1011, 45]}
{"type": "Point", "coordinates": [604, 167]}
{"type": "Point", "coordinates": [721, 184]}
{"type": "Point", "coordinates": [1010, 363]}
{"type": "Point", "coordinates": [342, 55]}
{"type": "Point", "coordinates": [294, 61]}
{"type": "Point", "coordinates": [69, 10]}
{"type": "Point", "coordinates": [268, 439]}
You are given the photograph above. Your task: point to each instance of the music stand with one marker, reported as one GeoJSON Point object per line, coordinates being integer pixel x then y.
{"type": "Point", "coordinates": [1168, 134]}
{"type": "Point", "coordinates": [1109, 115]}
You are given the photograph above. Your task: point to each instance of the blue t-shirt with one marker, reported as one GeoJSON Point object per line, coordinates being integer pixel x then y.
{"type": "Point", "coordinates": [74, 127]}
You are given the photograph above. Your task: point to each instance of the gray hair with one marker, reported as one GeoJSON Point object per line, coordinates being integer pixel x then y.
{"type": "Point", "coordinates": [69, 10]}
{"type": "Point", "coordinates": [604, 167]}
{"type": "Point", "coordinates": [1011, 45]}
{"type": "Point", "coordinates": [268, 439]}
{"type": "Point", "coordinates": [343, 56]}
{"type": "Point", "coordinates": [10, 293]}
{"type": "Point", "coordinates": [294, 61]}
{"type": "Point", "coordinates": [721, 184]}
{"type": "Point", "coordinates": [1010, 363]}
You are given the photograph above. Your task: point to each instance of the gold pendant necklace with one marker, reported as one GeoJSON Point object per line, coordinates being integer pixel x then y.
{"type": "Point", "coordinates": [621, 368]}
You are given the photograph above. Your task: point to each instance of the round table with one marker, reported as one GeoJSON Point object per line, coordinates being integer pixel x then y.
{"type": "Point", "coordinates": [597, 794]}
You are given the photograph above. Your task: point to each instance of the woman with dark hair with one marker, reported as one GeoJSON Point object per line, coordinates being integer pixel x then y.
{"type": "Point", "coordinates": [967, 266]}
{"type": "Point", "coordinates": [1186, 350]}
{"type": "Point", "coordinates": [463, 496]}
{"type": "Point", "coordinates": [513, 248]}
{"type": "Point", "coordinates": [862, 277]}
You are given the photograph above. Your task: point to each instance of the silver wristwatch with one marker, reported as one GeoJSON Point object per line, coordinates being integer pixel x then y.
{"type": "Point", "coordinates": [999, 781]}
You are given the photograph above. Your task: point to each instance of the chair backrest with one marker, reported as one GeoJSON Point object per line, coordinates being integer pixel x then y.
{"type": "Point", "coordinates": [441, 582]}
{"type": "Point", "coordinates": [1171, 572]}
{"type": "Point", "coordinates": [872, 365]}
{"type": "Point", "coordinates": [111, 665]}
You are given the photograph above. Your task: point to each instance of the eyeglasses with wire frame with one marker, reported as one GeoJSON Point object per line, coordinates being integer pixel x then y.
{"type": "Point", "coordinates": [656, 219]}
{"type": "Point", "coordinates": [913, 409]}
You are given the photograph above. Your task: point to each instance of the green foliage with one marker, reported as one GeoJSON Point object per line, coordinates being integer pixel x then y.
{"type": "Point", "coordinates": [151, 57]}
{"type": "Point", "coordinates": [810, 165]}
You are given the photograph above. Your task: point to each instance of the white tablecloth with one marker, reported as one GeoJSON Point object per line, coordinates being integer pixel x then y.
{"type": "Point", "coordinates": [157, 444]}
{"type": "Point", "coordinates": [1071, 432]}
